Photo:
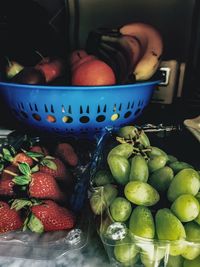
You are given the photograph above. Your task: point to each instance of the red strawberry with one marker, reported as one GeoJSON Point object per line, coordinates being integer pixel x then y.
{"type": "Point", "coordinates": [9, 171]}
{"type": "Point", "coordinates": [67, 154]}
{"type": "Point", "coordinates": [10, 219]}
{"type": "Point", "coordinates": [39, 184]}
{"type": "Point", "coordinates": [55, 167]}
{"type": "Point", "coordinates": [44, 186]}
{"type": "Point", "coordinates": [6, 187]}
{"type": "Point", "coordinates": [22, 157]}
{"type": "Point", "coordinates": [52, 216]}
{"type": "Point", "coordinates": [6, 182]}
{"type": "Point", "coordinates": [16, 158]}
{"type": "Point", "coordinates": [39, 149]}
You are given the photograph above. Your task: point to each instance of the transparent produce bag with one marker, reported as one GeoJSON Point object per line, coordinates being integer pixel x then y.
{"type": "Point", "coordinates": [145, 199]}
{"type": "Point", "coordinates": [26, 241]}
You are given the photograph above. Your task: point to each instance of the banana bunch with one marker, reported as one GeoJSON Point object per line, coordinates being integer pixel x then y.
{"type": "Point", "coordinates": [133, 51]}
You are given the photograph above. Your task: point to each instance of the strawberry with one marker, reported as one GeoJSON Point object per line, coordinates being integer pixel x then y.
{"type": "Point", "coordinates": [9, 171]}
{"type": "Point", "coordinates": [6, 187]}
{"type": "Point", "coordinates": [10, 219]}
{"type": "Point", "coordinates": [55, 167]}
{"type": "Point", "coordinates": [6, 182]}
{"type": "Point", "coordinates": [39, 184]}
{"type": "Point", "coordinates": [22, 157]}
{"type": "Point", "coordinates": [43, 186]}
{"type": "Point", "coordinates": [51, 217]}
{"type": "Point", "coordinates": [16, 158]}
{"type": "Point", "coordinates": [39, 149]}
{"type": "Point", "coordinates": [67, 154]}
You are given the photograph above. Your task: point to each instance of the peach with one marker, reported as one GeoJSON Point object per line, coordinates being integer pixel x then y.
{"type": "Point", "coordinates": [93, 72]}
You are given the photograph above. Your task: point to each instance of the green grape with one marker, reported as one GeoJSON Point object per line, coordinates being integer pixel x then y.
{"type": "Point", "coordinates": [120, 209]}
{"type": "Point", "coordinates": [141, 193]}
{"type": "Point", "coordinates": [175, 261]}
{"type": "Point", "coordinates": [192, 263]}
{"type": "Point", "coordinates": [125, 251]}
{"type": "Point", "coordinates": [185, 207]}
{"type": "Point", "coordinates": [120, 168]}
{"type": "Point", "coordinates": [169, 227]}
{"type": "Point", "coordinates": [161, 178]}
{"type": "Point", "coordinates": [184, 182]}
{"type": "Point", "coordinates": [192, 250]}
{"type": "Point", "coordinates": [146, 229]}
{"type": "Point", "coordinates": [139, 169]}
{"type": "Point", "coordinates": [156, 163]}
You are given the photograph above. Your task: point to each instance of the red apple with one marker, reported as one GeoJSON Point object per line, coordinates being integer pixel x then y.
{"type": "Point", "coordinates": [52, 67]}
{"type": "Point", "coordinates": [81, 61]}
{"type": "Point", "coordinates": [77, 55]}
{"type": "Point", "coordinates": [93, 72]}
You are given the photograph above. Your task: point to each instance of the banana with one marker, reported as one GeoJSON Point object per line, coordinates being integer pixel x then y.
{"type": "Point", "coordinates": [111, 46]}
{"type": "Point", "coordinates": [94, 38]}
{"type": "Point", "coordinates": [121, 44]}
{"type": "Point", "coordinates": [108, 59]}
{"type": "Point", "coordinates": [136, 48]}
{"type": "Point", "coordinates": [152, 46]}
{"type": "Point", "coordinates": [121, 62]}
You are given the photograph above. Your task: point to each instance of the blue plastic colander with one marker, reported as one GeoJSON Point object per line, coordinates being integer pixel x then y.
{"type": "Point", "coordinates": [74, 110]}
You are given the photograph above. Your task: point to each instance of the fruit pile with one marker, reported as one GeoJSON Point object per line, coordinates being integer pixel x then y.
{"type": "Point", "coordinates": [49, 70]}
{"type": "Point", "coordinates": [124, 55]}
{"type": "Point", "coordinates": [117, 56]}
{"type": "Point", "coordinates": [36, 184]}
{"type": "Point", "coordinates": [154, 196]}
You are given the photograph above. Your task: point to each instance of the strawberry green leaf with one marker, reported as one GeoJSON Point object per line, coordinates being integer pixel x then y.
{"type": "Point", "coordinates": [24, 168]}
{"type": "Point", "coordinates": [22, 180]}
{"type": "Point", "coordinates": [7, 155]}
{"type": "Point", "coordinates": [49, 157]}
{"type": "Point", "coordinates": [13, 151]}
{"type": "Point", "coordinates": [35, 168]}
{"type": "Point", "coordinates": [49, 163]}
{"type": "Point", "coordinates": [34, 154]}
{"type": "Point", "coordinates": [25, 224]}
{"type": "Point", "coordinates": [35, 225]}
{"type": "Point", "coordinates": [18, 204]}
{"type": "Point", "coordinates": [36, 202]}
{"type": "Point", "coordinates": [1, 167]}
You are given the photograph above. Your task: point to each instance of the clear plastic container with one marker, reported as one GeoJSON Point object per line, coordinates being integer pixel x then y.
{"type": "Point", "coordinates": [51, 245]}
{"type": "Point", "coordinates": [124, 248]}
{"type": "Point", "coordinates": [48, 246]}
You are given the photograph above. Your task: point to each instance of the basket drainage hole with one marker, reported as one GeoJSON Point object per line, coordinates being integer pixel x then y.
{"type": "Point", "coordinates": [84, 119]}
{"type": "Point", "coordinates": [127, 114]}
{"type": "Point", "coordinates": [100, 118]}
{"type": "Point", "coordinates": [115, 117]}
{"type": "Point", "coordinates": [36, 117]}
{"type": "Point", "coordinates": [51, 119]}
{"type": "Point", "coordinates": [24, 114]}
{"type": "Point", "coordinates": [67, 119]}
{"type": "Point", "coordinates": [137, 111]}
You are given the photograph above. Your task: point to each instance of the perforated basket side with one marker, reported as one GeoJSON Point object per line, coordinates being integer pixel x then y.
{"type": "Point", "coordinates": [77, 110]}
